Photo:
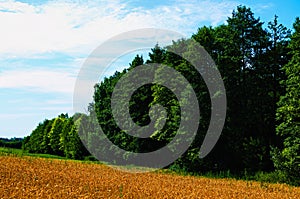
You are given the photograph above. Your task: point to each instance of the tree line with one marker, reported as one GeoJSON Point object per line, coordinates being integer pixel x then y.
{"type": "Point", "coordinates": [11, 143]}
{"type": "Point", "coordinates": [58, 136]}
{"type": "Point", "coordinates": [260, 67]}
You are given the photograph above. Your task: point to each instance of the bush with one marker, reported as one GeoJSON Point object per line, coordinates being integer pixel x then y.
{"type": "Point", "coordinates": [272, 177]}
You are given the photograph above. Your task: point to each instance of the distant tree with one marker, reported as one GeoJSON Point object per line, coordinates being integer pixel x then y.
{"type": "Point", "coordinates": [11, 143]}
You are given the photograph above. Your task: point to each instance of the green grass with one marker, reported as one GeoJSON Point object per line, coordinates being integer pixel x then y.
{"type": "Point", "coordinates": [20, 152]}
{"type": "Point", "coordinates": [259, 176]}
{"type": "Point", "coordinates": [4, 151]}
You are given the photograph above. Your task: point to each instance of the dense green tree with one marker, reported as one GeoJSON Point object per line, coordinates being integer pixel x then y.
{"type": "Point", "coordinates": [138, 105]}
{"type": "Point", "coordinates": [207, 38]}
{"type": "Point", "coordinates": [58, 136]}
{"type": "Point", "coordinates": [45, 145]}
{"type": "Point", "coordinates": [137, 61]}
{"type": "Point", "coordinates": [33, 142]}
{"type": "Point", "coordinates": [250, 61]}
{"type": "Point", "coordinates": [235, 47]}
{"type": "Point", "coordinates": [249, 39]}
{"type": "Point", "coordinates": [288, 113]}
{"type": "Point", "coordinates": [65, 138]}
{"type": "Point", "coordinates": [75, 147]}
{"type": "Point", "coordinates": [157, 55]}
{"type": "Point", "coordinates": [55, 135]}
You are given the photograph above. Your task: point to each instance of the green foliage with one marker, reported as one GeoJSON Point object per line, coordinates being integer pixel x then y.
{"type": "Point", "coordinates": [55, 134]}
{"type": "Point", "coordinates": [21, 152]}
{"type": "Point", "coordinates": [137, 61]}
{"type": "Point", "coordinates": [287, 159]}
{"type": "Point", "coordinates": [157, 55]}
{"type": "Point", "coordinates": [13, 151]}
{"type": "Point", "coordinates": [271, 177]}
{"type": "Point", "coordinates": [58, 136]}
{"type": "Point", "coordinates": [11, 143]}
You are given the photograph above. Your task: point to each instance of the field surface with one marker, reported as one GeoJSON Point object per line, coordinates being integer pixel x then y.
{"type": "Point", "coordinates": [31, 177]}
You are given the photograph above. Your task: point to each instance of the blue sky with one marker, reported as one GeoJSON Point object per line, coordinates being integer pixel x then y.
{"type": "Point", "coordinates": [44, 44]}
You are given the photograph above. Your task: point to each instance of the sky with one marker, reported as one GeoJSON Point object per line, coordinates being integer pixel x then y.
{"type": "Point", "coordinates": [43, 45]}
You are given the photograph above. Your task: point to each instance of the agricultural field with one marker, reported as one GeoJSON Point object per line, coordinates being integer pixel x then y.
{"type": "Point", "coordinates": [32, 177]}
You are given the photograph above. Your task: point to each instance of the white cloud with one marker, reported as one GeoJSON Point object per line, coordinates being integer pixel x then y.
{"type": "Point", "coordinates": [38, 80]}
{"type": "Point", "coordinates": [78, 27]}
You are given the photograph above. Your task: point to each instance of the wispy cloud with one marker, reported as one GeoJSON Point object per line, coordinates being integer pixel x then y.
{"type": "Point", "coordinates": [38, 80]}
{"type": "Point", "coordinates": [78, 27]}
